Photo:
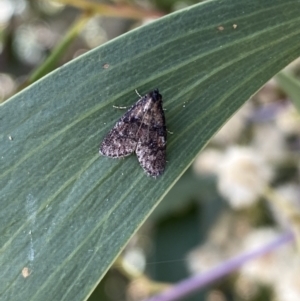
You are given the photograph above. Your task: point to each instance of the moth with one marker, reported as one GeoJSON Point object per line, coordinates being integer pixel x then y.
{"type": "Point", "coordinates": [142, 129]}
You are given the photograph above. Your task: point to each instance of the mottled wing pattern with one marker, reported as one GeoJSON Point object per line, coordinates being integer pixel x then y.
{"type": "Point", "coordinates": [151, 147]}
{"type": "Point", "coordinates": [141, 129]}
{"type": "Point", "coordinates": [122, 140]}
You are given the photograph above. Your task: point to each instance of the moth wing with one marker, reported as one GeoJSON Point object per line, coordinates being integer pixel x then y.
{"type": "Point", "coordinates": [151, 158]}
{"type": "Point", "coordinates": [115, 145]}
{"type": "Point", "coordinates": [151, 147]}
{"type": "Point", "coordinates": [122, 140]}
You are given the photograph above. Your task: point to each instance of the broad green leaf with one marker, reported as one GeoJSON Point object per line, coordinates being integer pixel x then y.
{"type": "Point", "coordinates": [66, 212]}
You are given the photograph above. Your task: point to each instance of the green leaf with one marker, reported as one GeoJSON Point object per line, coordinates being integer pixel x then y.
{"type": "Point", "coordinates": [66, 213]}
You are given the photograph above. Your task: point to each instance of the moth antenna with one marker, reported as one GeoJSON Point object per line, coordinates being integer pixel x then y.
{"type": "Point", "coordinates": [136, 91]}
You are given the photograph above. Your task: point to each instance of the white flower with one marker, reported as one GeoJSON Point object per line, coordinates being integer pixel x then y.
{"type": "Point", "coordinates": [134, 260]}
{"type": "Point", "coordinates": [288, 121]}
{"type": "Point", "coordinates": [291, 194]}
{"type": "Point", "coordinates": [288, 286]}
{"type": "Point", "coordinates": [243, 174]}
{"type": "Point", "coordinates": [233, 128]}
{"type": "Point", "coordinates": [208, 161]}
{"type": "Point", "coordinates": [204, 258]}
{"type": "Point", "coordinates": [270, 142]}
{"type": "Point", "coordinates": [246, 288]}
{"type": "Point", "coordinates": [272, 267]}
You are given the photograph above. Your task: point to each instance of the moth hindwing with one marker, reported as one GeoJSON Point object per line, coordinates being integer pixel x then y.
{"type": "Point", "coordinates": [142, 130]}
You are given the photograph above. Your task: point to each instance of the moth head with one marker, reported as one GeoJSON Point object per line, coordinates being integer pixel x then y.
{"type": "Point", "coordinates": [155, 95]}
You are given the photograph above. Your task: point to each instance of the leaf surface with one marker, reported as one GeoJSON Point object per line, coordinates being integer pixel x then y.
{"type": "Point", "coordinates": [66, 212]}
